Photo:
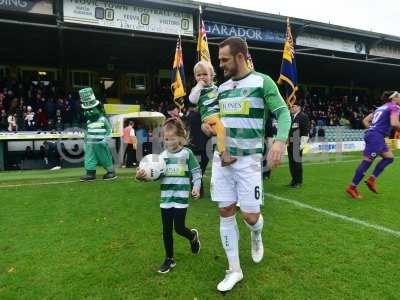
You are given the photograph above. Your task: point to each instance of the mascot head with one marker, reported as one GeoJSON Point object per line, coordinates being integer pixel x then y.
{"type": "Point", "coordinates": [92, 109]}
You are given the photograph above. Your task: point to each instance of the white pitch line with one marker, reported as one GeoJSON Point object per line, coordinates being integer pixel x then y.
{"type": "Point", "coordinates": [291, 201]}
{"type": "Point", "coordinates": [207, 173]}
{"type": "Point", "coordinates": [328, 162]}
{"type": "Point", "coordinates": [37, 183]}
{"type": "Point", "coordinates": [338, 216]}
{"type": "Point", "coordinates": [331, 162]}
{"type": "Point", "coordinates": [49, 183]}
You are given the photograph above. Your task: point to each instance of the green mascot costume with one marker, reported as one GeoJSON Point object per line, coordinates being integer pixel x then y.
{"type": "Point", "coordinates": [97, 151]}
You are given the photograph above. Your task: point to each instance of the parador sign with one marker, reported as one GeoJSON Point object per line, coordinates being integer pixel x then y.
{"type": "Point", "coordinates": [249, 33]}
{"type": "Point", "coordinates": [130, 17]}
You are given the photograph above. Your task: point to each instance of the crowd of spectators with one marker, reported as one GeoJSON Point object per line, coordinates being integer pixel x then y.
{"type": "Point", "coordinates": [331, 110]}
{"type": "Point", "coordinates": [322, 109]}
{"type": "Point", "coordinates": [45, 106]}
{"type": "Point", "coordinates": [37, 106]}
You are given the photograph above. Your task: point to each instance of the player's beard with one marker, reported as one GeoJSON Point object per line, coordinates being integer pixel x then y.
{"type": "Point", "coordinates": [232, 72]}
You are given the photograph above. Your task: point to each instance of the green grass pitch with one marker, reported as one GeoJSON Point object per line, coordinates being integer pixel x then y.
{"type": "Point", "coordinates": [62, 239]}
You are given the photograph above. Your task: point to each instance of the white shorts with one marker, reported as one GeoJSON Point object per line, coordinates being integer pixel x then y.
{"type": "Point", "coordinates": [240, 182]}
{"type": "Point", "coordinates": [253, 209]}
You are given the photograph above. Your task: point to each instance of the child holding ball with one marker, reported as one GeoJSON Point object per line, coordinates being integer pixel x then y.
{"type": "Point", "coordinates": [181, 165]}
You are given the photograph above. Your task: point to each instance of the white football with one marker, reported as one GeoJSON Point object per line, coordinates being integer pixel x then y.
{"type": "Point", "coordinates": [153, 166]}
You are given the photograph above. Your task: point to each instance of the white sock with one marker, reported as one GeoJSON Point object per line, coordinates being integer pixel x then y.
{"type": "Point", "coordinates": [256, 228]}
{"type": "Point", "coordinates": [230, 241]}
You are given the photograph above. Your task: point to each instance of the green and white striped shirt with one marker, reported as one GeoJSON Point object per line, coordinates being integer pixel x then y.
{"type": "Point", "coordinates": [206, 99]}
{"type": "Point", "coordinates": [243, 105]}
{"type": "Point", "coordinates": [175, 184]}
{"type": "Point", "coordinates": [97, 131]}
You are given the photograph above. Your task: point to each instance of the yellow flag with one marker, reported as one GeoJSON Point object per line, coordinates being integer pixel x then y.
{"type": "Point", "coordinates": [203, 53]}
{"type": "Point", "coordinates": [178, 76]}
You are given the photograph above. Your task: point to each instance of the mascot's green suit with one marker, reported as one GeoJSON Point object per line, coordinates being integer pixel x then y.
{"type": "Point", "coordinates": [97, 151]}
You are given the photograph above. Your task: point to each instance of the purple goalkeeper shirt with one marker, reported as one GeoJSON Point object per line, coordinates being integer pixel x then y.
{"type": "Point", "coordinates": [381, 118]}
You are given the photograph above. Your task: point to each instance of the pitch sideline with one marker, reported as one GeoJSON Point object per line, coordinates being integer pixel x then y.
{"type": "Point", "coordinates": [336, 215]}
{"type": "Point", "coordinates": [279, 198]}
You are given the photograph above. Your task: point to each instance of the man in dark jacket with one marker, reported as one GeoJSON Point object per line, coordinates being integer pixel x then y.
{"type": "Point", "coordinates": [298, 138]}
{"type": "Point", "coordinates": [197, 139]}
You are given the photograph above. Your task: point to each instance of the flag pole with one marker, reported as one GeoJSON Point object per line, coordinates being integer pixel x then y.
{"type": "Point", "coordinates": [198, 31]}
{"type": "Point", "coordinates": [180, 42]}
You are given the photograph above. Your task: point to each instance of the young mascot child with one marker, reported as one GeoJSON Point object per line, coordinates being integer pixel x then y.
{"type": "Point", "coordinates": [205, 94]}
{"type": "Point", "coordinates": [181, 165]}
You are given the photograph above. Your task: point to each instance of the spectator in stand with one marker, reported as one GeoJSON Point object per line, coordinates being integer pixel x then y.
{"type": "Point", "coordinates": [358, 121]}
{"type": "Point", "coordinates": [313, 130]}
{"type": "Point", "coordinates": [7, 99]}
{"type": "Point", "coordinates": [3, 120]}
{"type": "Point", "coordinates": [335, 121]}
{"type": "Point", "coordinates": [68, 116]}
{"type": "Point", "coordinates": [20, 113]}
{"type": "Point", "coordinates": [21, 90]}
{"type": "Point", "coordinates": [321, 119]}
{"type": "Point", "coordinates": [74, 108]}
{"type": "Point", "coordinates": [2, 97]}
{"type": "Point", "coordinates": [58, 125]}
{"type": "Point", "coordinates": [30, 101]}
{"type": "Point", "coordinates": [14, 103]}
{"type": "Point", "coordinates": [344, 122]}
{"type": "Point", "coordinates": [60, 104]}
{"type": "Point", "coordinates": [50, 110]}
{"type": "Point", "coordinates": [42, 120]}
{"type": "Point", "coordinates": [321, 134]}
{"type": "Point", "coordinates": [333, 110]}
{"type": "Point", "coordinates": [147, 104]}
{"type": "Point", "coordinates": [36, 102]}
{"type": "Point", "coordinates": [15, 97]}
{"type": "Point", "coordinates": [161, 108]}
{"type": "Point", "coordinates": [30, 123]}
{"type": "Point", "coordinates": [41, 103]}
{"type": "Point", "coordinates": [12, 122]}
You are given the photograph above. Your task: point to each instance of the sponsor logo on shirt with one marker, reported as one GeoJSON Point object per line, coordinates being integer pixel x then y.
{"type": "Point", "coordinates": [177, 170]}
{"type": "Point", "coordinates": [235, 107]}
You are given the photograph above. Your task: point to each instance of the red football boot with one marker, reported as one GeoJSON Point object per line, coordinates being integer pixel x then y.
{"type": "Point", "coordinates": [371, 184]}
{"type": "Point", "coordinates": [353, 192]}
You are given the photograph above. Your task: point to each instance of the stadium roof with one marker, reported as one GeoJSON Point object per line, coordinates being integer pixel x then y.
{"type": "Point", "coordinates": [55, 44]}
{"type": "Point", "coordinates": [188, 4]}
{"type": "Point", "coordinates": [258, 19]}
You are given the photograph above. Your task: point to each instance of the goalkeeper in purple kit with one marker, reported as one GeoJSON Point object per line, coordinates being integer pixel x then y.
{"type": "Point", "coordinates": [379, 124]}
